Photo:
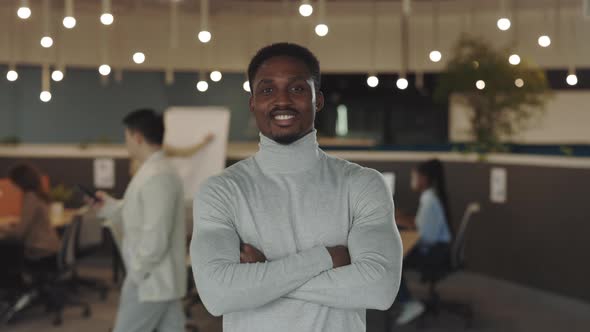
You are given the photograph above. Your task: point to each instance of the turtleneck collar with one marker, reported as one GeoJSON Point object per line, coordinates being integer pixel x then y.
{"type": "Point", "coordinates": [298, 156]}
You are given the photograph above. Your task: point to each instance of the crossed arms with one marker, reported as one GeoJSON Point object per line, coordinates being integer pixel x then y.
{"type": "Point", "coordinates": [231, 280]}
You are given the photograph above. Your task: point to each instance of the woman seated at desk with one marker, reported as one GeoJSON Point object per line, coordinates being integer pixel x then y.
{"type": "Point", "coordinates": [33, 229]}
{"type": "Point", "coordinates": [432, 224]}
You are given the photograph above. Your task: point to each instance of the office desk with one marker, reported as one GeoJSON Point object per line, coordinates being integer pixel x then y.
{"type": "Point", "coordinates": [64, 219]}
{"type": "Point", "coordinates": [56, 221]}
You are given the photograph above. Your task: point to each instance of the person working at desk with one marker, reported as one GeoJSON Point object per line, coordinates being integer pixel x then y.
{"type": "Point", "coordinates": [33, 227]}
{"type": "Point", "coordinates": [432, 223]}
{"type": "Point", "coordinates": [151, 215]}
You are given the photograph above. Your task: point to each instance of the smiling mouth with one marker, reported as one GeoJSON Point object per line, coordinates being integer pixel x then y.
{"type": "Point", "coordinates": [282, 117]}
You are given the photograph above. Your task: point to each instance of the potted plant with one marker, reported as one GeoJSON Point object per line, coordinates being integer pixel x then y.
{"type": "Point", "coordinates": [59, 195]}
{"type": "Point", "coordinates": [509, 96]}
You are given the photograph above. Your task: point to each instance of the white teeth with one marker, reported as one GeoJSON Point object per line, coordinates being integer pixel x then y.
{"type": "Point", "coordinates": [283, 117]}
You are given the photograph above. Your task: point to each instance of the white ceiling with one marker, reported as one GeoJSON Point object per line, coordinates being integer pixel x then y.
{"type": "Point", "coordinates": [346, 6]}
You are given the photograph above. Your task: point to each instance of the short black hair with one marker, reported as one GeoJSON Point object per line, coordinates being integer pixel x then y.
{"type": "Point", "coordinates": [149, 123]}
{"type": "Point", "coordinates": [285, 49]}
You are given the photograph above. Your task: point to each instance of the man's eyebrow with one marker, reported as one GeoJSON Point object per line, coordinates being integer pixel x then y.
{"type": "Point", "coordinates": [291, 79]}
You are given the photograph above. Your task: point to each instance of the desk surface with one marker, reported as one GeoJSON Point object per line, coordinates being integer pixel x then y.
{"type": "Point", "coordinates": [56, 221]}
{"type": "Point", "coordinates": [409, 240]}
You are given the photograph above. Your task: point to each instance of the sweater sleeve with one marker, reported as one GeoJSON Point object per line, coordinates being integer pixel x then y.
{"type": "Point", "coordinates": [223, 283]}
{"type": "Point", "coordinates": [372, 280]}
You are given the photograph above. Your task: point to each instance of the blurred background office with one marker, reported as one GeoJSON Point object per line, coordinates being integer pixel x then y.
{"type": "Point", "coordinates": [497, 90]}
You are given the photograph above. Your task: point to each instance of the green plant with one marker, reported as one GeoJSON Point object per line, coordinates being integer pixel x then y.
{"type": "Point", "coordinates": [567, 150]}
{"type": "Point", "coordinates": [60, 193]}
{"type": "Point", "coordinates": [502, 108]}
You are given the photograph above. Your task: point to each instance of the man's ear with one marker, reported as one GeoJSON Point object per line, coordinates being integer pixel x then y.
{"type": "Point", "coordinates": [251, 103]}
{"type": "Point", "coordinates": [138, 137]}
{"type": "Point", "coordinates": [319, 101]}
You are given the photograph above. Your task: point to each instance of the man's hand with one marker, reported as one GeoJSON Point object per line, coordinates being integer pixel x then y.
{"type": "Point", "coordinates": [340, 256]}
{"type": "Point", "coordinates": [249, 254]}
{"type": "Point", "coordinates": [209, 138]}
{"type": "Point", "coordinates": [97, 205]}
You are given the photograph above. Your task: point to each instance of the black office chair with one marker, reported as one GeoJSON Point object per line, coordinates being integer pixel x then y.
{"type": "Point", "coordinates": [51, 287]}
{"type": "Point", "coordinates": [447, 261]}
{"type": "Point", "coordinates": [88, 240]}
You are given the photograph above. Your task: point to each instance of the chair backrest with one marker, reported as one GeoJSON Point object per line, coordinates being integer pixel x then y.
{"type": "Point", "coordinates": [66, 257]}
{"type": "Point", "coordinates": [90, 232]}
{"type": "Point", "coordinates": [457, 250]}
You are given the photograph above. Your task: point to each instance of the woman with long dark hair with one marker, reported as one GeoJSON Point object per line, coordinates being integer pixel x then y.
{"type": "Point", "coordinates": [33, 228]}
{"type": "Point", "coordinates": [432, 222]}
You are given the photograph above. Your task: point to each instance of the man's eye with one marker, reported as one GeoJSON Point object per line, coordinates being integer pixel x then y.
{"type": "Point", "coordinates": [267, 90]}
{"type": "Point", "coordinates": [298, 89]}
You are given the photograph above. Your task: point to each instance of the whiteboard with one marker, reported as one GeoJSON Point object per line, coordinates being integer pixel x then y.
{"type": "Point", "coordinates": [187, 126]}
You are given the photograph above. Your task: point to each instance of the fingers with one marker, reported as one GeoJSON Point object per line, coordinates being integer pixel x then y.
{"type": "Point", "coordinates": [249, 254]}
{"type": "Point", "coordinates": [102, 195]}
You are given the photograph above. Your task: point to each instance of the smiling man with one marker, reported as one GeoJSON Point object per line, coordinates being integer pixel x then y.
{"type": "Point", "coordinates": [293, 239]}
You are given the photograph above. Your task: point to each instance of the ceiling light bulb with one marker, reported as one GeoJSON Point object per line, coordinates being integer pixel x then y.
{"type": "Point", "coordinates": [12, 75]}
{"type": "Point", "coordinates": [139, 57]}
{"type": "Point", "coordinates": [24, 12]}
{"type": "Point", "coordinates": [435, 56]}
{"type": "Point", "coordinates": [519, 82]}
{"type": "Point", "coordinates": [514, 59]}
{"type": "Point", "coordinates": [402, 83]}
{"type": "Point", "coordinates": [372, 81]}
{"type": "Point", "coordinates": [572, 79]}
{"type": "Point", "coordinates": [246, 86]}
{"type": "Point", "coordinates": [215, 76]}
{"type": "Point", "coordinates": [305, 10]}
{"type": "Point", "coordinates": [57, 75]}
{"type": "Point", "coordinates": [107, 18]}
{"type": "Point", "coordinates": [104, 70]}
{"type": "Point", "coordinates": [47, 42]}
{"type": "Point", "coordinates": [544, 41]}
{"type": "Point", "coordinates": [204, 36]}
{"type": "Point", "coordinates": [480, 84]}
{"type": "Point", "coordinates": [202, 86]}
{"type": "Point", "coordinates": [503, 24]}
{"type": "Point", "coordinates": [45, 96]}
{"type": "Point", "coordinates": [69, 22]}
{"type": "Point", "coordinates": [321, 30]}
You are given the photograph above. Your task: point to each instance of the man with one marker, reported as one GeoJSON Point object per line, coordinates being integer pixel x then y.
{"type": "Point", "coordinates": [151, 215]}
{"type": "Point", "coordinates": [293, 239]}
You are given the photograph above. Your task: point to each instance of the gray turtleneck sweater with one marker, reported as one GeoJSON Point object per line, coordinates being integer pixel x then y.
{"type": "Point", "coordinates": [291, 202]}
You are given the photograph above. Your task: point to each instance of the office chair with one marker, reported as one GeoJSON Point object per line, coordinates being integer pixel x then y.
{"type": "Point", "coordinates": [88, 239]}
{"type": "Point", "coordinates": [446, 266]}
{"type": "Point", "coordinates": [50, 287]}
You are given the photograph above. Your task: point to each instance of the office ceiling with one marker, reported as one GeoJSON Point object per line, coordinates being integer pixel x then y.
{"type": "Point", "coordinates": [227, 5]}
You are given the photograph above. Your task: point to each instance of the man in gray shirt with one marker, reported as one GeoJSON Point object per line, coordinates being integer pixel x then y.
{"type": "Point", "coordinates": [292, 239]}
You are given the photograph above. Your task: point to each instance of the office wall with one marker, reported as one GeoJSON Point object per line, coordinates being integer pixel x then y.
{"type": "Point", "coordinates": [83, 110]}
{"type": "Point", "coordinates": [564, 121]}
